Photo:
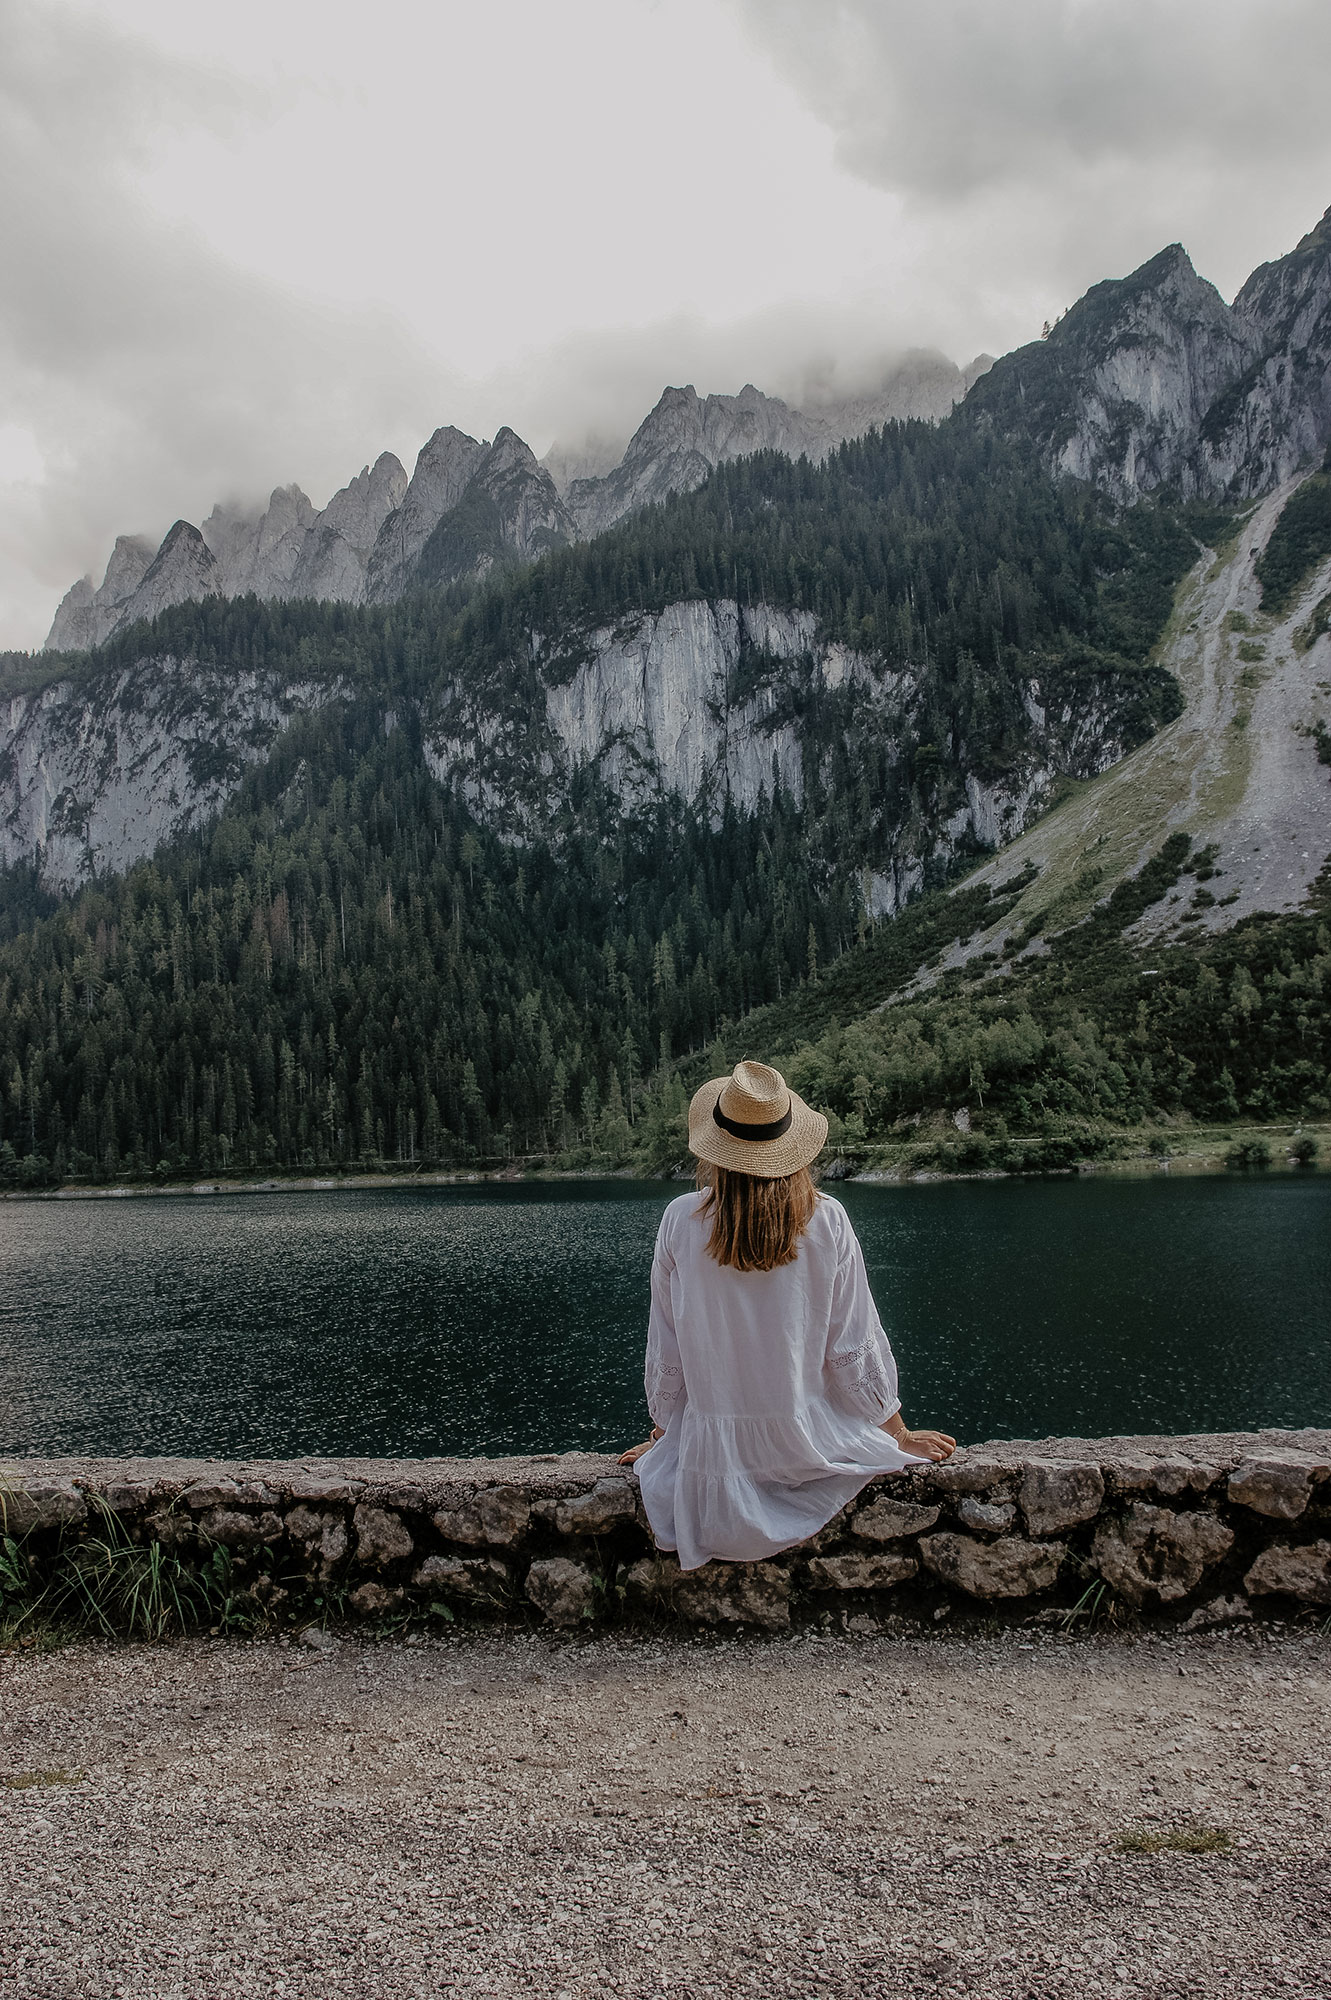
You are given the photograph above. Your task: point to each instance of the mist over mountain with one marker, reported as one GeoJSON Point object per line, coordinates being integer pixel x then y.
{"type": "Point", "coordinates": [470, 503]}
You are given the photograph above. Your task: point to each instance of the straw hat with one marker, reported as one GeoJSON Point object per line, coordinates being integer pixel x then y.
{"type": "Point", "coordinates": [753, 1123]}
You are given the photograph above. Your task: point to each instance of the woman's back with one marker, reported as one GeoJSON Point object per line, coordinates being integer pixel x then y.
{"type": "Point", "coordinates": [753, 1343]}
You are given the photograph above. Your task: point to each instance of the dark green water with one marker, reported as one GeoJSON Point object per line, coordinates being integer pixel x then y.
{"type": "Point", "coordinates": [488, 1320]}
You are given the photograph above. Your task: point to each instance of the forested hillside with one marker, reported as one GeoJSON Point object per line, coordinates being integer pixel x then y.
{"type": "Point", "coordinates": [350, 965]}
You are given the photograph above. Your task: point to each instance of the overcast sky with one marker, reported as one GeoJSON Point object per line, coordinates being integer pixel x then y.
{"type": "Point", "coordinates": [257, 242]}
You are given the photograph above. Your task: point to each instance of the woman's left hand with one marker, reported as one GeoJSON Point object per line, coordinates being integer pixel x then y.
{"type": "Point", "coordinates": [636, 1451]}
{"type": "Point", "coordinates": [934, 1445]}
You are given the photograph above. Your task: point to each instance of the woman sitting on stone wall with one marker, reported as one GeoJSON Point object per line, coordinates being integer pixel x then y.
{"type": "Point", "coordinates": [770, 1381]}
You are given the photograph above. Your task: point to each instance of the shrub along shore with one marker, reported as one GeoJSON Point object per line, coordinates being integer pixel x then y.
{"type": "Point", "coordinates": [939, 1150]}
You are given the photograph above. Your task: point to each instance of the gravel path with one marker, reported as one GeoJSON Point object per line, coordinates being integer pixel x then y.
{"type": "Point", "coordinates": [510, 1815]}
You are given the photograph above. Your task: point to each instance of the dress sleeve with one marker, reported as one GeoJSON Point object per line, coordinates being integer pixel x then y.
{"type": "Point", "coordinates": [664, 1374]}
{"type": "Point", "coordinates": [860, 1367]}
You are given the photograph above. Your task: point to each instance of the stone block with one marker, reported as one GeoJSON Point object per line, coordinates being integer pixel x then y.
{"type": "Point", "coordinates": [861, 1572]}
{"type": "Point", "coordinates": [238, 1530]}
{"type": "Point", "coordinates": [1008, 1568]}
{"type": "Point", "coordinates": [1154, 1552]}
{"type": "Point", "coordinates": [1282, 1570]}
{"type": "Point", "coordinates": [1057, 1494]}
{"type": "Point", "coordinates": [886, 1520]}
{"type": "Point", "coordinates": [333, 1545]}
{"type": "Point", "coordinates": [496, 1517]}
{"type": "Point", "coordinates": [130, 1496]}
{"type": "Point", "coordinates": [42, 1503]}
{"type": "Point", "coordinates": [322, 1489]}
{"type": "Point", "coordinates": [610, 1503]}
{"type": "Point", "coordinates": [475, 1579]}
{"type": "Point", "coordinates": [304, 1524]}
{"type": "Point", "coordinates": [1220, 1611]}
{"type": "Point", "coordinates": [563, 1590]}
{"type": "Point", "coordinates": [1278, 1484]}
{"type": "Point", "coordinates": [987, 1517]}
{"type": "Point", "coordinates": [381, 1537]}
{"type": "Point", "coordinates": [1167, 1477]}
{"type": "Point", "coordinates": [720, 1593]}
{"type": "Point", "coordinates": [725, 1593]}
{"type": "Point", "coordinates": [374, 1600]}
{"type": "Point", "coordinates": [204, 1493]}
{"type": "Point", "coordinates": [974, 1475]}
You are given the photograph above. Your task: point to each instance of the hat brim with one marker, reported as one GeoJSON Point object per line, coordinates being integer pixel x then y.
{"type": "Point", "coordinates": [798, 1146]}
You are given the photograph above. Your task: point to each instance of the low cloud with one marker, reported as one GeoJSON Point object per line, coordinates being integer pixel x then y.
{"type": "Point", "coordinates": [1065, 136]}
{"type": "Point", "coordinates": [849, 178]}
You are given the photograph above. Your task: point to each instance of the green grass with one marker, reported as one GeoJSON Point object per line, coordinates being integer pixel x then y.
{"type": "Point", "coordinates": [1176, 1840]}
{"type": "Point", "coordinates": [26, 1781]}
{"type": "Point", "coordinates": [109, 1584]}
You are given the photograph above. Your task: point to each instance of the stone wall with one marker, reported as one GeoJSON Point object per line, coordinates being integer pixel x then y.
{"type": "Point", "coordinates": [1191, 1529]}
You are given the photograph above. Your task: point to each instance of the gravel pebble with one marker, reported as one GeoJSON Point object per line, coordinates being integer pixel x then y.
{"type": "Point", "coordinates": [507, 1815]}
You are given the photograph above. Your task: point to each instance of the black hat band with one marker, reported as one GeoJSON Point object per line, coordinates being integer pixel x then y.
{"type": "Point", "coordinates": [738, 1131]}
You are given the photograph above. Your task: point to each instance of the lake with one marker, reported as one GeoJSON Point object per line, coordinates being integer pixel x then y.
{"type": "Point", "coordinates": [486, 1319]}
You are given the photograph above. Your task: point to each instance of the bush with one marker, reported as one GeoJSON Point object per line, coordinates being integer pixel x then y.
{"type": "Point", "coordinates": [1249, 1153]}
{"type": "Point", "coordinates": [1304, 1151]}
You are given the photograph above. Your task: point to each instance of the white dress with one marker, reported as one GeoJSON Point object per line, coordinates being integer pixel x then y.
{"type": "Point", "coordinates": [770, 1387]}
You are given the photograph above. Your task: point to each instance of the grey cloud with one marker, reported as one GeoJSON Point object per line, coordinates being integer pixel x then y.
{"type": "Point", "coordinates": [943, 100]}
{"type": "Point", "coordinates": [155, 376]}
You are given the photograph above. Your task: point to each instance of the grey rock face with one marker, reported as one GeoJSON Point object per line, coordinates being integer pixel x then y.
{"type": "Point", "coordinates": [95, 776]}
{"type": "Point", "coordinates": [40, 1503]}
{"type": "Point", "coordinates": [1154, 1552]}
{"type": "Point", "coordinates": [564, 1591]}
{"type": "Point", "coordinates": [87, 616]}
{"type": "Point", "coordinates": [1304, 1573]}
{"type": "Point", "coordinates": [443, 471]}
{"type": "Point", "coordinates": [508, 509]}
{"type": "Point", "coordinates": [686, 435]}
{"type": "Point", "coordinates": [1057, 1496]}
{"type": "Point", "coordinates": [1009, 1568]}
{"type": "Point", "coordinates": [1152, 381]}
{"type": "Point", "coordinates": [335, 555]}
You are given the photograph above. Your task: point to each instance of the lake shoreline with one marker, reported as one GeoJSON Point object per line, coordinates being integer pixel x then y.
{"type": "Point", "coordinates": [1206, 1159]}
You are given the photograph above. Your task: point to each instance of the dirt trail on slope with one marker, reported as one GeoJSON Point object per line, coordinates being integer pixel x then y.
{"type": "Point", "coordinates": [1238, 769]}
{"type": "Point", "coordinates": [508, 1816]}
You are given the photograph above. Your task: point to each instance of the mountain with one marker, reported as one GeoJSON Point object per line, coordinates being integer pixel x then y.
{"type": "Point", "coordinates": [458, 873]}
{"type": "Point", "coordinates": [476, 503]}
{"type": "Point", "coordinates": [1152, 382]}
{"type": "Point", "coordinates": [815, 632]}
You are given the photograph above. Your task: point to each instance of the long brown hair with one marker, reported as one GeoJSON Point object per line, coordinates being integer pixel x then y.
{"type": "Point", "coordinates": [756, 1222]}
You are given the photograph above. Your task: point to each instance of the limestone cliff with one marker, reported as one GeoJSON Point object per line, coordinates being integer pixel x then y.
{"type": "Point", "coordinates": [95, 774]}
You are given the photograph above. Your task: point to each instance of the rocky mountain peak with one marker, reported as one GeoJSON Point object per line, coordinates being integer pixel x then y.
{"type": "Point", "coordinates": [184, 568]}
{"type": "Point", "coordinates": [1152, 380]}
{"type": "Point", "coordinates": [85, 616]}
{"type": "Point", "coordinates": [443, 470]}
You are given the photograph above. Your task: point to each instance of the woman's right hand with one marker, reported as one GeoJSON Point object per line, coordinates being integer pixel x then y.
{"type": "Point", "coordinates": [636, 1451]}
{"type": "Point", "coordinates": [934, 1445]}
